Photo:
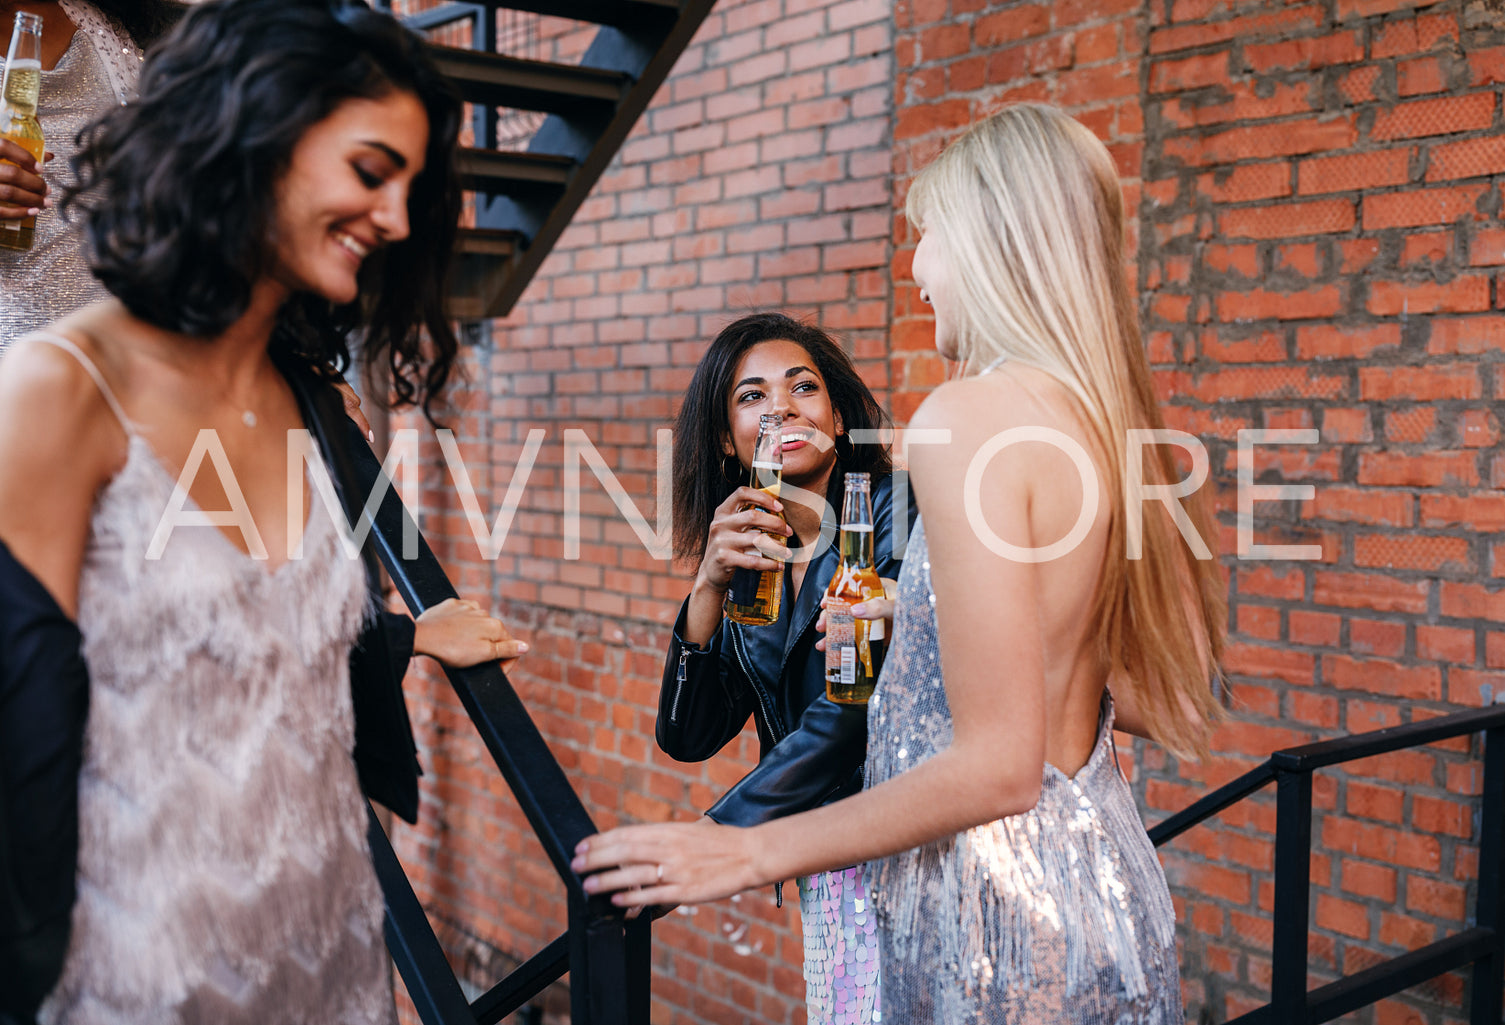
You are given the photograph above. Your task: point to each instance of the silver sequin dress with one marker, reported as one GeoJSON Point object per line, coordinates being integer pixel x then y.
{"type": "Point", "coordinates": [1057, 915]}
{"type": "Point", "coordinates": [224, 874]}
{"type": "Point", "coordinates": [52, 279]}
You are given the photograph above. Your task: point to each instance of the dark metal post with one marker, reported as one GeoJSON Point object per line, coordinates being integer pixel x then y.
{"type": "Point", "coordinates": [603, 989]}
{"type": "Point", "coordinates": [1489, 972]}
{"type": "Point", "coordinates": [639, 995]}
{"type": "Point", "coordinates": [483, 38]}
{"type": "Point", "coordinates": [1293, 869]}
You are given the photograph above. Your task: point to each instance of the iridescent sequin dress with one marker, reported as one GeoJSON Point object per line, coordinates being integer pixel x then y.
{"type": "Point", "coordinates": [842, 986]}
{"type": "Point", "coordinates": [1057, 915]}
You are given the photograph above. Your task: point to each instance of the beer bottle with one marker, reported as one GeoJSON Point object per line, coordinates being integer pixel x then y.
{"type": "Point", "coordinates": [18, 112]}
{"type": "Point", "coordinates": [854, 647]}
{"type": "Point", "coordinates": [754, 596]}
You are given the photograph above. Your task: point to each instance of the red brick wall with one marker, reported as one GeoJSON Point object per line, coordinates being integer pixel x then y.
{"type": "Point", "coordinates": [1318, 235]}
{"type": "Point", "coordinates": [1320, 238]}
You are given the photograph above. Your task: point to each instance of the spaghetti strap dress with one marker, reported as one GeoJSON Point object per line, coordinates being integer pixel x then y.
{"type": "Point", "coordinates": [1056, 916]}
{"type": "Point", "coordinates": [223, 868]}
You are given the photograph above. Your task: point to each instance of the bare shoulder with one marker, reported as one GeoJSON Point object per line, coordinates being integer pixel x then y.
{"type": "Point", "coordinates": [1014, 396]}
{"type": "Point", "coordinates": [50, 406]}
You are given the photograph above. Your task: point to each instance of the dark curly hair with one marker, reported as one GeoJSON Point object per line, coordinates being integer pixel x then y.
{"type": "Point", "coordinates": [178, 186]}
{"type": "Point", "coordinates": [700, 484]}
{"type": "Point", "coordinates": [145, 20]}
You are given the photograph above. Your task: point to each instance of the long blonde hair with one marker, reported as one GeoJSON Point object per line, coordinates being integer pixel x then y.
{"type": "Point", "coordinates": [1029, 206]}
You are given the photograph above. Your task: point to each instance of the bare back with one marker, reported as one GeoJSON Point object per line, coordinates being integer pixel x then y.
{"type": "Point", "coordinates": [1029, 491]}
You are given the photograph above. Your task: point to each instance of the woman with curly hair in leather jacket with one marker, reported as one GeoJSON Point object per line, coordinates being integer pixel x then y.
{"type": "Point", "coordinates": [718, 673]}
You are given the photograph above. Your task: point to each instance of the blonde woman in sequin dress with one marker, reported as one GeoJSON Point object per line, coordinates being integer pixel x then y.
{"type": "Point", "coordinates": [1011, 872]}
{"type": "Point", "coordinates": [90, 61]}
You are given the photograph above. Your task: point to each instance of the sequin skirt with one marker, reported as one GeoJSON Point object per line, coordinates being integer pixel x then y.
{"type": "Point", "coordinates": [1057, 916]}
{"type": "Point", "coordinates": [841, 949]}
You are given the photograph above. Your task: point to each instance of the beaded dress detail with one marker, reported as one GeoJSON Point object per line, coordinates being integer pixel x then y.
{"type": "Point", "coordinates": [52, 279]}
{"type": "Point", "coordinates": [1060, 914]}
{"type": "Point", "coordinates": [223, 868]}
{"type": "Point", "coordinates": [842, 986]}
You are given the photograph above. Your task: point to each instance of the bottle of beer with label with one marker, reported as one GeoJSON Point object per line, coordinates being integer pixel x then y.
{"type": "Point", "coordinates": [854, 647]}
{"type": "Point", "coordinates": [19, 94]}
{"type": "Point", "coordinates": [753, 598]}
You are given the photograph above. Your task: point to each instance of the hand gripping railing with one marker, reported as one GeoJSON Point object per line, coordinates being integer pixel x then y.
{"type": "Point", "coordinates": [607, 957]}
{"type": "Point", "coordinates": [1482, 945]}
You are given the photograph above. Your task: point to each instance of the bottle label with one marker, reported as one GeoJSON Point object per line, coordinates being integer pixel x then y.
{"type": "Point", "coordinates": [841, 642]}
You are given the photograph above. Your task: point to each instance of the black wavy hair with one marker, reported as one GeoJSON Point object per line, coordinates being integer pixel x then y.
{"type": "Point", "coordinates": [178, 187]}
{"type": "Point", "coordinates": [700, 483]}
{"type": "Point", "coordinates": [145, 20]}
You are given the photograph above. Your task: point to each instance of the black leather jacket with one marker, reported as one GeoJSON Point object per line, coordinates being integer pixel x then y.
{"type": "Point", "coordinates": [812, 749]}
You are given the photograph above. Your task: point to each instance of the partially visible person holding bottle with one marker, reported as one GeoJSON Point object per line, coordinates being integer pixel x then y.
{"type": "Point", "coordinates": [91, 54]}
{"type": "Point", "coordinates": [19, 88]}
{"type": "Point", "coordinates": [718, 672]}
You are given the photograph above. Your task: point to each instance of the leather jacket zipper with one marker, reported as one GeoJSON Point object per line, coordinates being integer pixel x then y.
{"type": "Point", "coordinates": [679, 685]}
{"type": "Point", "coordinates": [775, 727]}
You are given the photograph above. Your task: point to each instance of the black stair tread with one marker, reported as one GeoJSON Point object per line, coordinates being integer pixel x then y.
{"type": "Point", "coordinates": [617, 13]}
{"type": "Point", "coordinates": [488, 242]}
{"type": "Point", "coordinates": [499, 170]}
{"type": "Point", "coordinates": [502, 81]}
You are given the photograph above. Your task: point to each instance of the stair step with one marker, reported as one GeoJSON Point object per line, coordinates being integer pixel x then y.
{"type": "Point", "coordinates": [500, 81]}
{"type": "Point", "coordinates": [624, 14]}
{"type": "Point", "coordinates": [494, 171]}
{"type": "Point", "coordinates": [488, 242]}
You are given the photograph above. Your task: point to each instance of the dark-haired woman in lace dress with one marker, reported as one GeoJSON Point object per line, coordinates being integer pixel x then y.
{"type": "Point", "coordinates": [283, 179]}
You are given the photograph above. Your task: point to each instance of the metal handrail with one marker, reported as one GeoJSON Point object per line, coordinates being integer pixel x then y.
{"type": "Point", "coordinates": [1482, 946]}
{"type": "Point", "coordinates": [607, 957]}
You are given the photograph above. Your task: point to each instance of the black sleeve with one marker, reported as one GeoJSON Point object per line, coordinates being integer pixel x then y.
{"type": "Point", "coordinates": [386, 758]}
{"type": "Point", "coordinates": [823, 753]}
{"type": "Point", "coordinates": [44, 704]}
{"type": "Point", "coordinates": [704, 700]}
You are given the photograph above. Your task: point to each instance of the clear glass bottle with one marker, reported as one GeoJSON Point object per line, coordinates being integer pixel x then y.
{"type": "Point", "coordinates": [19, 95]}
{"type": "Point", "coordinates": [754, 597]}
{"type": "Point", "coordinates": [854, 647]}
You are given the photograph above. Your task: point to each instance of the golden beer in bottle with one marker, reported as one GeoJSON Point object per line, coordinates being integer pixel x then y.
{"type": "Point", "coordinates": [21, 90]}
{"type": "Point", "coordinates": [754, 597]}
{"type": "Point", "coordinates": [854, 647]}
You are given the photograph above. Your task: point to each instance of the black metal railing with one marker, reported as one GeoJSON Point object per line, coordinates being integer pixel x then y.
{"type": "Point", "coordinates": [607, 957]}
{"type": "Point", "coordinates": [1482, 945]}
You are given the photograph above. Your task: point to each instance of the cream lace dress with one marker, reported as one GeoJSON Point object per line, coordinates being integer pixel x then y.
{"type": "Point", "coordinates": [223, 872]}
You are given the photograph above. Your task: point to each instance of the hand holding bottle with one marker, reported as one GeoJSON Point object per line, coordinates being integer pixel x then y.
{"type": "Point", "coordinates": [873, 608]}
{"type": "Point", "coordinates": [23, 192]}
{"type": "Point", "coordinates": [738, 538]}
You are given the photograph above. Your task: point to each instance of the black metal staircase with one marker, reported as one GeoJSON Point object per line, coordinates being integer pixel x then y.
{"type": "Point", "coordinates": [525, 199]}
